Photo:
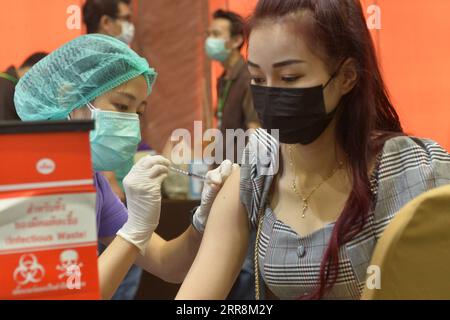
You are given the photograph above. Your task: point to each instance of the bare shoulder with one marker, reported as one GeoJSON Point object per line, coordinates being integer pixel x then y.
{"type": "Point", "coordinates": [227, 204]}
{"type": "Point", "coordinates": [231, 187]}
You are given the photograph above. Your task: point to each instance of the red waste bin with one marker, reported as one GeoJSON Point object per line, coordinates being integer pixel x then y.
{"type": "Point", "coordinates": [48, 233]}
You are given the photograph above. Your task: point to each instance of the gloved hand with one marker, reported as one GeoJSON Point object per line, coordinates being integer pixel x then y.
{"type": "Point", "coordinates": [215, 180]}
{"type": "Point", "coordinates": [143, 190]}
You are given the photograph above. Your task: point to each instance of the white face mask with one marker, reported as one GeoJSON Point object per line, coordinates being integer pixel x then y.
{"type": "Point", "coordinates": [127, 34]}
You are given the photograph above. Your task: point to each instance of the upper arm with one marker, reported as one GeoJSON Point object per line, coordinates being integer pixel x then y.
{"type": "Point", "coordinates": [113, 218]}
{"type": "Point", "coordinates": [106, 241]}
{"type": "Point", "coordinates": [223, 248]}
{"type": "Point", "coordinates": [113, 213]}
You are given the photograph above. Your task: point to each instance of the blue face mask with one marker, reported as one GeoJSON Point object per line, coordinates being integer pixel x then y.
{"type": "Point", "coordinates": [216, 50]}
{"type": "Point", "coordinates": [115, 138]}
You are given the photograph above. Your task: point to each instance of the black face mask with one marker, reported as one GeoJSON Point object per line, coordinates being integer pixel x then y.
{"type": "Point", "coordinates": [298, 113]}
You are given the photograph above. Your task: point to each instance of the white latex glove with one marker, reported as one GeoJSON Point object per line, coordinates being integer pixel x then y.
{"type": "Point", "coordinates": [215, 180]}
{"type": "Point", "coordinates": [143, 190]}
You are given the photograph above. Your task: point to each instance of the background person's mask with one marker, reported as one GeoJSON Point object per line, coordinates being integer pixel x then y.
{"type": "Point", "coordinates": [216, 50]}
{"type": "Point", "coordinates": [128, 31]}
{"type": "Point", "coordinates": [115, 138]}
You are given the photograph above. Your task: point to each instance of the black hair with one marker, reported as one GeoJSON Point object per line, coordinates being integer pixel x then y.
{"type": "Point", "coordinates": [236, 21]}
{"type": "Point", "coordinates": [94, 10]}
{"type": "Point", "coordinates": [33, 59]}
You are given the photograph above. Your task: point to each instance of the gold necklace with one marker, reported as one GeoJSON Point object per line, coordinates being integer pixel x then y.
{"type": "Point", "coordinates": [294, 183]}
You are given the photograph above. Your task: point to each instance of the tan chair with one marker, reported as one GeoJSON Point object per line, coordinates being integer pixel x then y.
{"type": "Point", "coordinates": [413, 253]}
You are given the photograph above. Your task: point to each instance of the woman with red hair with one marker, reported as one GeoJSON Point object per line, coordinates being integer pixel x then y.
{"type": "Point", "coordinates": [346, 166]}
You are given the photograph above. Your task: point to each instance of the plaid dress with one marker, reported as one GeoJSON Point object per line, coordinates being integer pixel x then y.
{"type": "Point", "coordinates": [290, 263]}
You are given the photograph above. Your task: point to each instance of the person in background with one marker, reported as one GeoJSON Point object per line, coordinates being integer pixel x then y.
{"type": "Point", "coordinates": [235, 106]}
{"type": "Point", "coordinates": [109, 17]}
{"type": "Point", "coordinates": [234, 110]}
{"type": "Point", "coordinates": [8, 81]}
{"type": "Point", "coordinates": [113, 18]}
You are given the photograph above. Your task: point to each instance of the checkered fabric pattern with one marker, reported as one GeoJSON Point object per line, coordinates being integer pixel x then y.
{"type": "Point", "coordinates": [290, 263]}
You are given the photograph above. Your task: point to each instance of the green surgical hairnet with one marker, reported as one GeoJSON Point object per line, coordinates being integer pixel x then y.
{"type": "Point", "coordinates": [75, 74]}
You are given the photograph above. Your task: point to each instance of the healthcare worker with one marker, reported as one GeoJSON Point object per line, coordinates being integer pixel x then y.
{"type": "Point", "coordinates": [99, 77]}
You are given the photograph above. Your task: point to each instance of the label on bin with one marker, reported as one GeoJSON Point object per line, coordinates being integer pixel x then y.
{"type": "Point", "coordinates": [48, 247]}
{"type": "Point", "coordinates": [48, 224]}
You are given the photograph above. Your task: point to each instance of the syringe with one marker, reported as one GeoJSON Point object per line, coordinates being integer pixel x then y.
{"type": "Point", "coordinates": [187, 173]}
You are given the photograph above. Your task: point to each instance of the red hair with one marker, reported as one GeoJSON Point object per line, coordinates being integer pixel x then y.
{"type": "Point", "coordinates": [366, 117]}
